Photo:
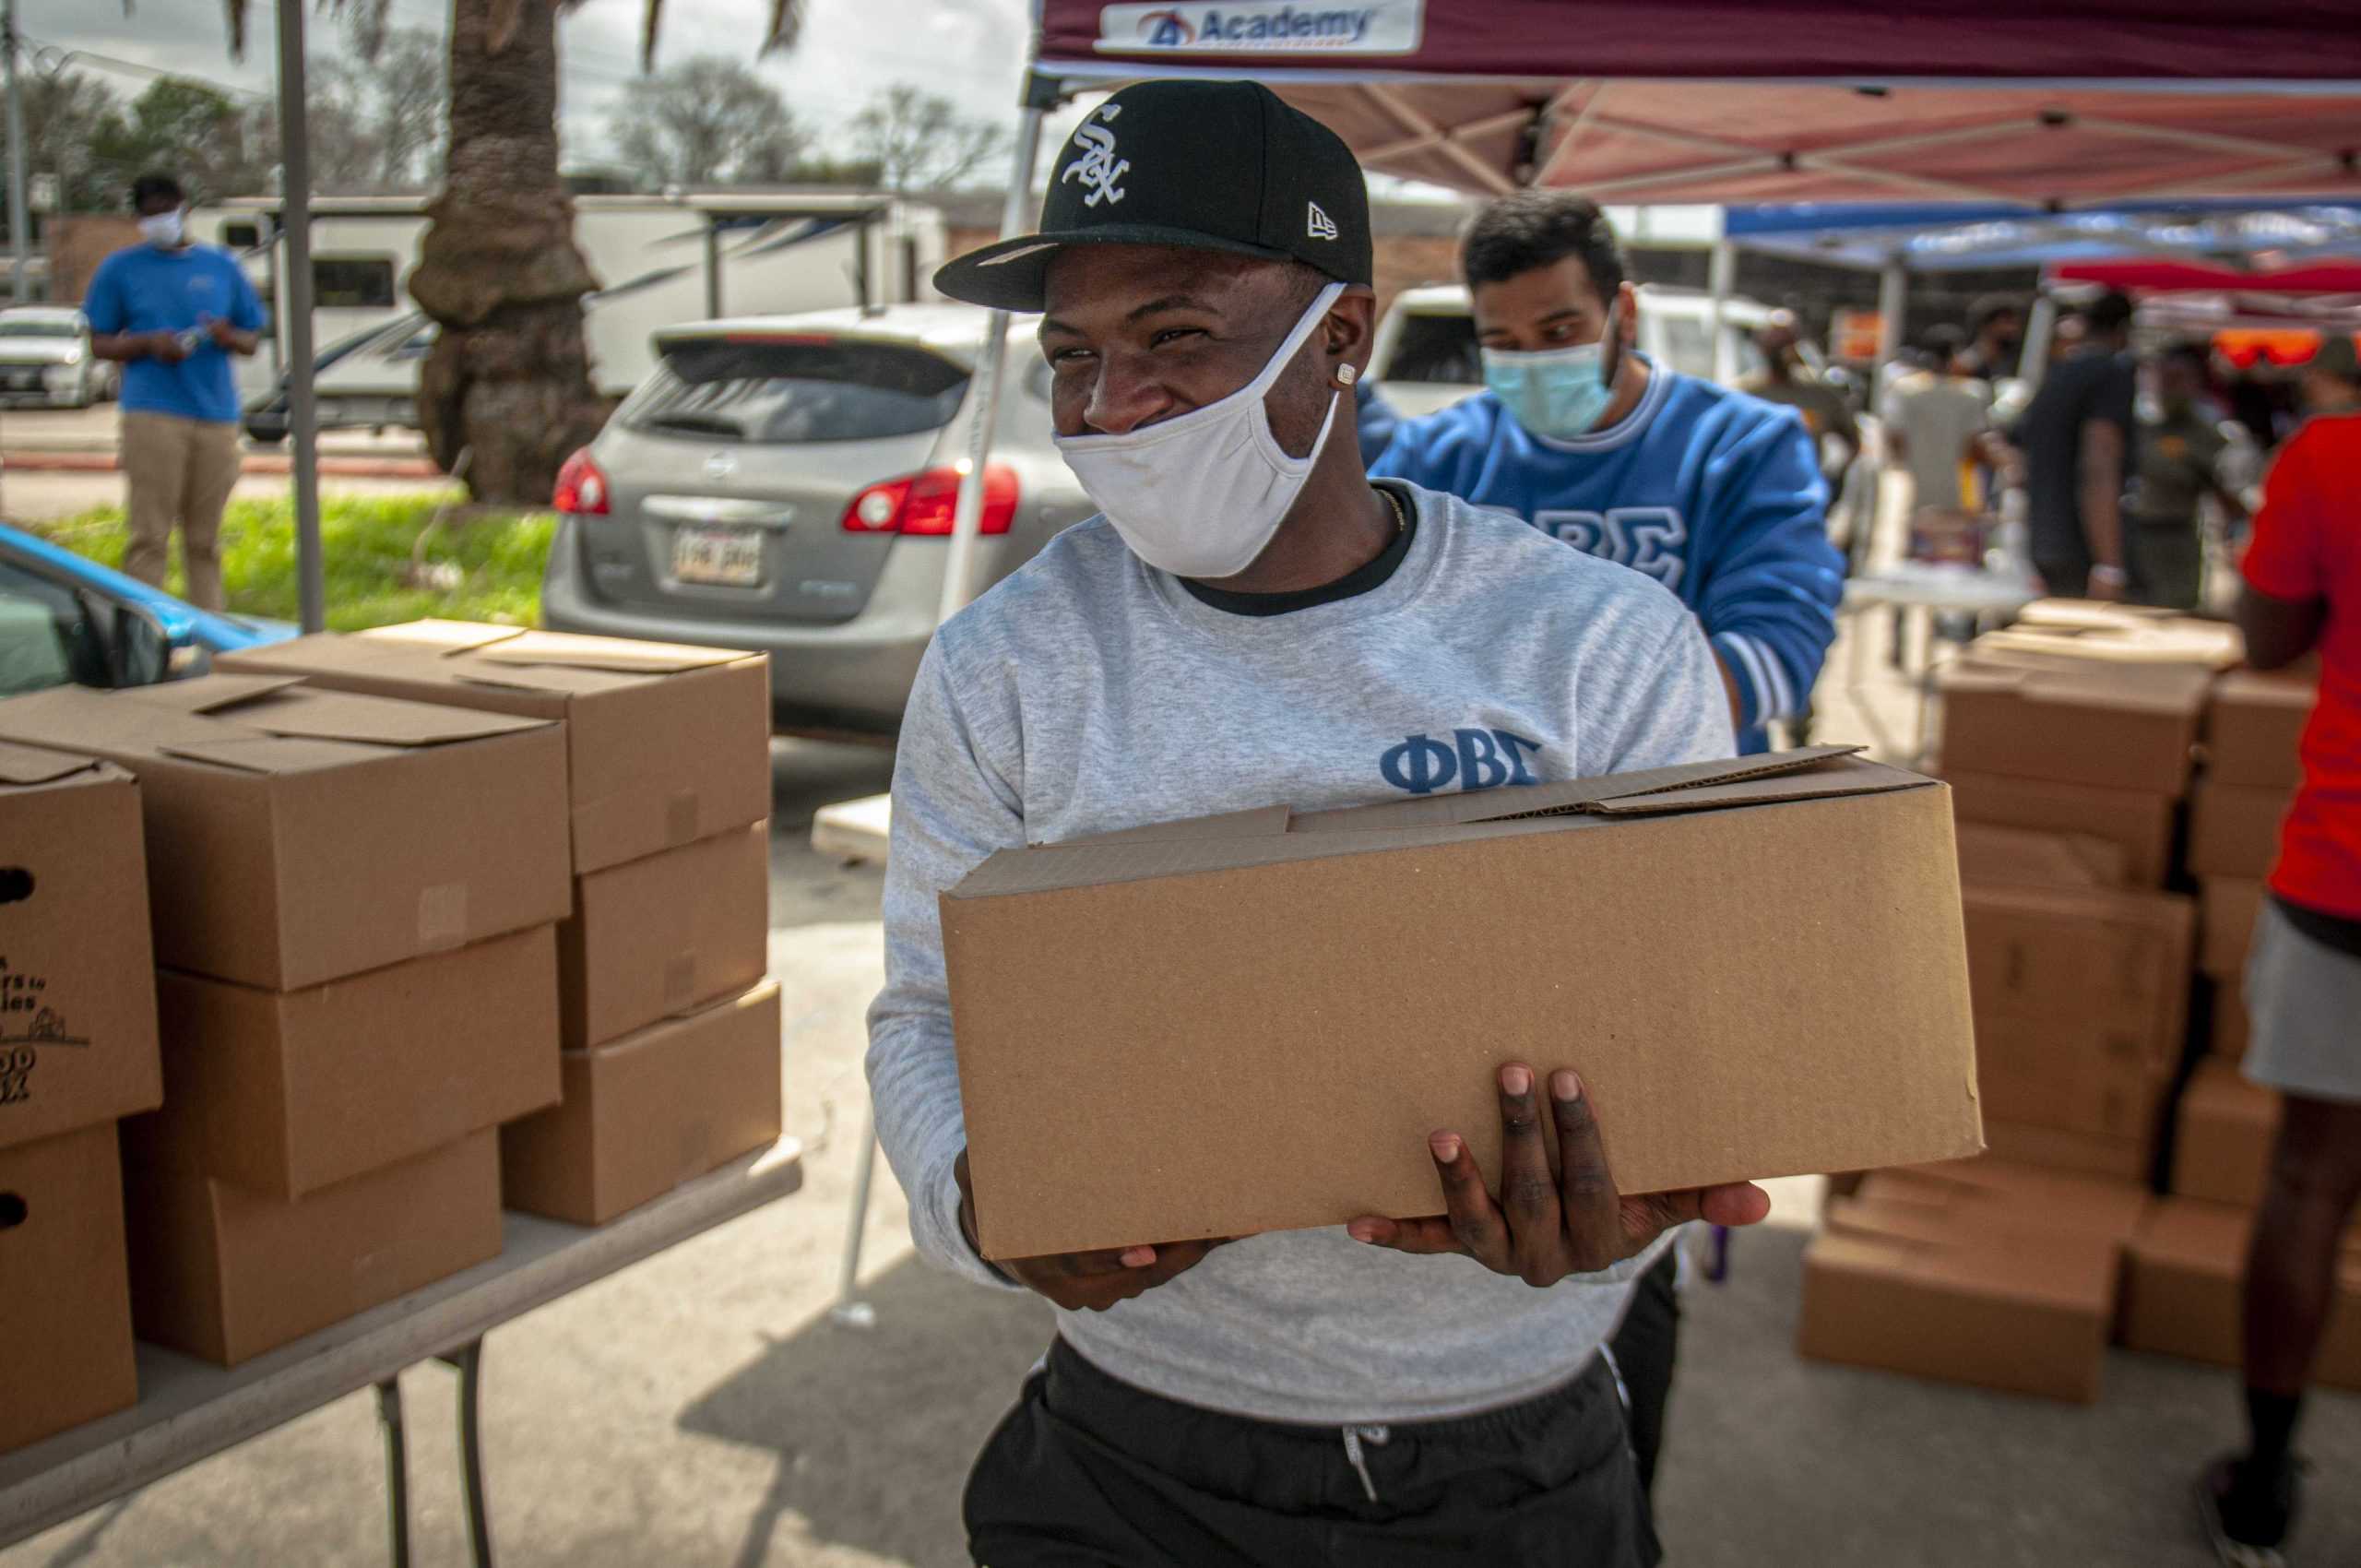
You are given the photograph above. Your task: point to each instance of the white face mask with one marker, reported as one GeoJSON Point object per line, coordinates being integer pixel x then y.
{"type": "Point", "coordinates": [1200, 496]}
{"type": "Point", "coordinates": [164, 228]}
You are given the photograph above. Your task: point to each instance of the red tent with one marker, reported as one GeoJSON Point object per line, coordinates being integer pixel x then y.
{"type": "Point", "coordinates": [2069, 102]}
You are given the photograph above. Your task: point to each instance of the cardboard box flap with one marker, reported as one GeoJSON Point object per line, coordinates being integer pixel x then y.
{"type": "Point", "coordinates": [2028, 1264]}
{"type": "Point", "coordinates": [28, 765]}
{"type": "Point", "coordinates": [447, 637]}
{"type": "Point", "coordinates": [550, 679]}
{"type": "Point", "coordinates": [264, 753]}
{"type": "Point", "coordinates": [2165, 688]}
{"type": "Point", "coordinates": [1240, 839]}
{"type": "Point", "coordinates": [208, 694]}
{"type": "Point", "coordinates": [322, 715]}
{"type": "Point", "coordinates": [615, 655]}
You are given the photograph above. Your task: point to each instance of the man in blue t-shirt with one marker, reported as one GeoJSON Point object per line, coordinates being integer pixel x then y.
{"type": "Point", "coordinates": [1716, 494]}
{"type": "Point", "coordinates": [173, 312]}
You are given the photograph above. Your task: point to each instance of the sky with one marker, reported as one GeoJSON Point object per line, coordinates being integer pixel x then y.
{"type": "Point", "coordinates": [970, 51]}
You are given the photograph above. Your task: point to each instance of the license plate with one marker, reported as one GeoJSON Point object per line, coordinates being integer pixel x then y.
{"type": "Point", "coordinates": [726, 557]}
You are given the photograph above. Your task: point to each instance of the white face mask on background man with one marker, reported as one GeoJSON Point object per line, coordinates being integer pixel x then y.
{"type": "Point", "coordinates": [164, 229]}
{"type": "Point", "coordinates": [1201, 494]}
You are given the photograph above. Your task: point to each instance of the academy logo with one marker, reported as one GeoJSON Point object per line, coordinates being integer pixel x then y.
{"type": "Point", "coordinates": [1474, 759]}
{"type": "Point", "coordinates": [1262, 26]}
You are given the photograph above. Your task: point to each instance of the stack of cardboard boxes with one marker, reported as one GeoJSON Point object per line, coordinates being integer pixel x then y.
{"type": "Point", "coordinates": [353, 907]}
{"type": "Point", "coordinates": [2107, 1016]}
{"type": "Point", "coordinates": [77, 1052]}
{"type": "Point", "coordinates": [671, 1036]}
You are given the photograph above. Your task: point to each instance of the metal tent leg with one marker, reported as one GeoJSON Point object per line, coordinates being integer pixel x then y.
{"type": "Point", "coordinates": [468, 1363]}
{"type": "Point", "coordinates": [389, 1415]}
{"type": "Point", "coordinates": [850, 1309]}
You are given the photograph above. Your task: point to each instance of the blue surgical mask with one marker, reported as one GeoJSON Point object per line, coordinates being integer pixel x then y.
{"type": "Point", "coordinates": [1557, 394]}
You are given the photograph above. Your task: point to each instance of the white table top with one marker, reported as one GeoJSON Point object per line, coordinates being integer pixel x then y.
{"type": "Point", "coordinates": [855, 830]}
{"type": "Point", "coordinates": [1941, 587]}
{"type": "Point", "coordinates": [190, 1409]}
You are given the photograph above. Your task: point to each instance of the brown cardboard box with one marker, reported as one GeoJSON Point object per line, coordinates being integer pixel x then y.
{"type": "Point", "coordinates": [2087, 1154]}
{"type": "Point", "coordinates": [2028, 857]}
{"type": "Point", "coordinates": [65, 1302]}
{"type": "Point", "coordinates": [2184, 1281]}
{"type": "Point", "coordinates": [2185, 641]}
{"type": "Point", "coordinates": [2083, 966]}
{"type": "Point", "coordinates": [664, 934]}
{"type": "Point", "coordinates": [226, 1274]}
{"type": "Point", "coordinates": [2223, 1152]}
{"type": "Point", "coordinates": [77, 995]}
{"type": "Point", "coordinates": [286, 1093]}
{"type": "Point", "coordinates": [2234, 828]}
{"type": "Point", "coordinates": [650, 1112]}
{"type": "Point", "coordinates": [1994, 1302]}
{"type": "Point", "coordinates": [296, 836]}
{"type": "Point", "coordinates": [2140, 821]}
{"type": "Point", "coordinates": [2073, 1074]}
{"type": "Point", "coordinates": [1996, 1194]}
{"type": "Point", "coordinates": [1304, 997]}
{"type": "Point", "coordinates": [2111, 727]}
{"type": "Point", "coordinates": [667, 744]}
{"type": "Point", "coordinates": [2253, 726]}
{"type": "Point", "coordinates": [2229, 1040]}
{"type": "Point", "coordinates": [2229, 906]}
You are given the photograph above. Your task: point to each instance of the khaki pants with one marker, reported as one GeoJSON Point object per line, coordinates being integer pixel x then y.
{"type": "Point", "coordinates": [178, 472]}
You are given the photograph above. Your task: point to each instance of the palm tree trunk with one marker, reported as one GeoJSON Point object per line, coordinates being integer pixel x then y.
{"type": "Point", "coordinates": [509, 378]}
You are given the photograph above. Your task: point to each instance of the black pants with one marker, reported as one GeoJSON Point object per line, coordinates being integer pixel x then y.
{"type": "Point", "coordinates": [1090, 1472]}
{"type": "Point", "coordinates": [1644, 1344]}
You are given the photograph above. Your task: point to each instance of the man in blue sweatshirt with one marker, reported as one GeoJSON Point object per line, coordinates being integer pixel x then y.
{"type": "Point", "coordinates": [1716, 494]}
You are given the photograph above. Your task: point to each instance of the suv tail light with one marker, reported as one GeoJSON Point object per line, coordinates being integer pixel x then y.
{"type": "Point", "coordinates": [923, 502]}
{"type": "Point", "coordinates": [581, 487]}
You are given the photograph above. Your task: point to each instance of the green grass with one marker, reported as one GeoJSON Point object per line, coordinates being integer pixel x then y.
{"type": "Point", "coordinates": [479, 566]}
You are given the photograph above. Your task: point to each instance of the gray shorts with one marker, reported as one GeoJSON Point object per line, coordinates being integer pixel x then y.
{"type": "Point", "coordinates": [2304, 1006]}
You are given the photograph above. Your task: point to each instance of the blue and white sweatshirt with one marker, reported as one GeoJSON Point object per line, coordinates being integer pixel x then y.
{"type": "Point", "coordinates": [1716, 494]}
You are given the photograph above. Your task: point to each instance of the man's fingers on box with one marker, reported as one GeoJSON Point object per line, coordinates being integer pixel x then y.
{"type": "Point", "coordinates": [1528, 1191]}
{"type": "Point", "coordinates": [1476, 1220]}
{"type": "Point", "coordinates": [1425, 1237]}
{"type": "Point", "coordinates": [1738, 1203]}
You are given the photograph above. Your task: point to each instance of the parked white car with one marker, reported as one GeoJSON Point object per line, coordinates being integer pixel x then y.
{"type": "Point", "coordinates": [45, 359]}
{"type": "Point", "coordinates": [1426, 355]}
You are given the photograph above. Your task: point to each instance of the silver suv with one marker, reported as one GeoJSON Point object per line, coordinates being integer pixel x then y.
{"type": "Point", "coordinates": [786, 482]}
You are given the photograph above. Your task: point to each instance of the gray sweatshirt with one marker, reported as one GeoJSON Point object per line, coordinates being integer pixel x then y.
{"type": "Point", "coordinates": [1087, 693]}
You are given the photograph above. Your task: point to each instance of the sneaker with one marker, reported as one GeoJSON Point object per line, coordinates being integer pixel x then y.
{"type": "Point", "coordinates": [2245, 1516]}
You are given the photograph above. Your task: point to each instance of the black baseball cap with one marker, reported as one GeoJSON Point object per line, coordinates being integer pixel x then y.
{"type": "Point", "coordinates": [1206, 165]}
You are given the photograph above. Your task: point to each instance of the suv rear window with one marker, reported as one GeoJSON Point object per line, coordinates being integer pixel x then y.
{"type": "Point", "coordinates": [1437, 348]}
{"type": "Point", "coordinates": [815, 389]}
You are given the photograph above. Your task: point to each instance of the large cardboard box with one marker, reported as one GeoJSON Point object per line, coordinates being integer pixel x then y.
{"type": "Point", "coordinates": [2110, 726]}
{"type": "Point", "coordinates": [664, 934]}
{"type": "Point", "coordinates": [2230, 1023]}
{"type": "Point", "coordinates": [1301, 998]}
{"type": "Point", "coordinates": [77, 995]}
{"type": "Point", "coordinates": [2222, 1149]}
{"type": "Point", "coordinates": [1998, 1301]}
{"type": "Point", "coordinates": [2254, 726]}
{"type": "Point", "coordinates": [2185, 641]}
{"type": "Point", "coordinates": [2184, 1281]}
{"type": "Point", "coordinates": [2070, 1074]}
{"type": "Point", "coordinates": [290, 1092]}
{"type": "Point", "coordinates": [2234, 828]}
{"type": "Point", "coordinates": [2083, 966]}
{"type": "Point", "coordinates": [2030, 858]}
{"type": "Point", "coordinates": [2228, 908]}
{"type": "Point", "coordinates": [296, 836]}
{"type": "Point", "coordinates": [2088, 1154]}
{"type": "Point", "coordinates": [2140, 821]}
{"type": "Point", "coordinates": [1990, 1192]}
{"type": "Point", "coordinates": [650, 1112]}
{"type": "Point", "coordinates": [226, 1274]}
{"type": "Point", "coordinates": [667, 744]}
{"type": "Point", "coordinates": [64, 1301]}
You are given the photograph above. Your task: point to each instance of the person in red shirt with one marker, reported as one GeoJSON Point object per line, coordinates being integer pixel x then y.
{"type": "Point", "coordinates": [2302, 595]}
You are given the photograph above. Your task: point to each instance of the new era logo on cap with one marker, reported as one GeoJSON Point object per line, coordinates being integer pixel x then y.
{"type": "Point", "coordinates": [1193, 165]}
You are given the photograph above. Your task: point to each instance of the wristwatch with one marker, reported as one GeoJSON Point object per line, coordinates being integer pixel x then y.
{"type": "Point", "coordinates": [2108, 573]}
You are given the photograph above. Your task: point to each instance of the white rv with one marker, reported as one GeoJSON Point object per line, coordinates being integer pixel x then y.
{"type": "Point", "coordinates": [660, 260]}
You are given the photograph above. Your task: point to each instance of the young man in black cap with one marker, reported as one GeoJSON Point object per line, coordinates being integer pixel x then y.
{"type": "Point", "coordinates": [1252, 620]}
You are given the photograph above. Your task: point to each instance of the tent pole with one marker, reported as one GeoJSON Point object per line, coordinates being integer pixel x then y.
{"type": "Point", "coordinates": [1721, 280]}
{"type": "Point", "coordinates": [2041, 323]}
{"type": "Point", "coordinates": [1016, 216]}
{"type": "Point", "coordinates": [1893, 298]}
{"type": "Point", "coordinates": [302, 430]}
